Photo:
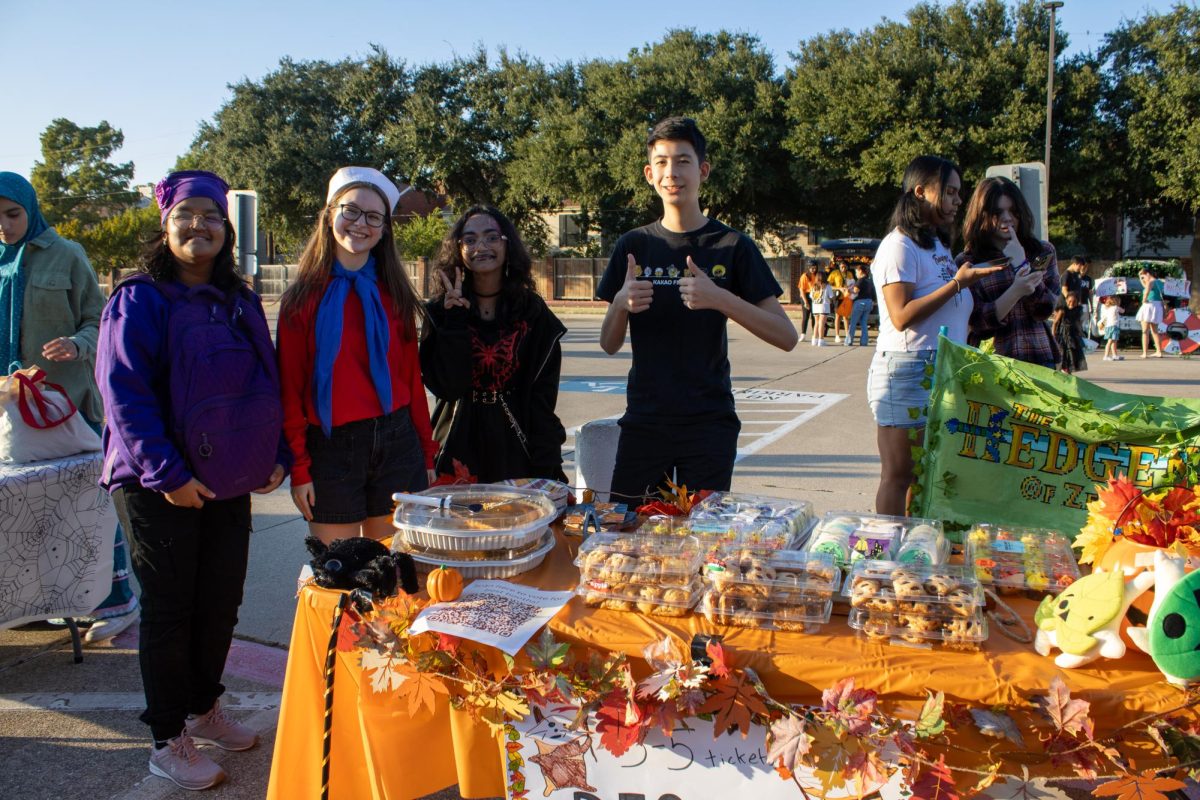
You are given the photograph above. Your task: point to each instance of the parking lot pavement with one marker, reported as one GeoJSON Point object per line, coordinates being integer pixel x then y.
{"type": "Point", "coordinates": [71, 731]}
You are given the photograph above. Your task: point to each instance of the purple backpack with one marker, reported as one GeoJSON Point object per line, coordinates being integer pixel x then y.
{"type": "Point", "coordinates": [226, 415]}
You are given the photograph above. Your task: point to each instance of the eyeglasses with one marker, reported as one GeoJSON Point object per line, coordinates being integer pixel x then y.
{"type": "Point", "coordinates": [352, 213]}
{"type": "Point", "coordinates": [489, 239]}
{"type": "Point", "coordinates": [184, 220]}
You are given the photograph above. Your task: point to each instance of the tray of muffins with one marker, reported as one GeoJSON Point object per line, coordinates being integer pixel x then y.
{"type": "Point", "coordinates": [917, 605]}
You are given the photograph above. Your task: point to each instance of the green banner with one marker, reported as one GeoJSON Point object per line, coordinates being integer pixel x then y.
{"type": "Point", "coordinates": [1016, 444]}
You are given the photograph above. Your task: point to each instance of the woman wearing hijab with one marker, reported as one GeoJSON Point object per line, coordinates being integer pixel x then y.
{"type": "Point", "coordinates": [50, 306]}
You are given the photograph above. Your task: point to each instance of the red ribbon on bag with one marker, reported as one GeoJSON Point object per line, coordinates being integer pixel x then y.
{"type": "Point", "coordinates": [32, 383]}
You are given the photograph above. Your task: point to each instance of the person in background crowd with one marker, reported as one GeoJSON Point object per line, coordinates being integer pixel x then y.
{"type": "Point", "coordinates": [355, 412]}
{"type": "Point", "coordinates": [821, 297]}
{"type": "Point", "coordinates": [1150, 313]}
{"type": "Point", "coordinates": [50, 306]}
{"type": "Point", "coordinates": [1067, 328]}
{"type": "Point", "coordinates": [190, 540]}
{"type": "Point", "coordinates": [864, 300]}
{"type": "Point", "coordinates": [840, 281]}
{"type": "Point", "coordinates": [1011, 306]}
{"type": "Point", "coordinates": [1077, 279]}
{"type": "Point", "coordinates": [806, 285]}
{"type": "Point", "coordinates": [1110, 327]}
{"type": "Point", "coordinates": [491, 356]}
{"type": "Point", "coordinates": [921, 292]}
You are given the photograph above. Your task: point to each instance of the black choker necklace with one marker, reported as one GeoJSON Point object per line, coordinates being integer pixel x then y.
{"type": "Point", "coordinates": [493, 294]}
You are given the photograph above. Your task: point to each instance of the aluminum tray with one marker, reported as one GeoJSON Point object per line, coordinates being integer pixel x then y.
{"type": "Point", "coordinates": [488, 569]}
{"type": "Point", "coordinates": [511, 518]}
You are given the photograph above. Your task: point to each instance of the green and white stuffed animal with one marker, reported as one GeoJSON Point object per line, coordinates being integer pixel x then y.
{"type": "Point", "coordinates": [1172, 633]}
{"type": "Point", "coordinates": [1084, 620]}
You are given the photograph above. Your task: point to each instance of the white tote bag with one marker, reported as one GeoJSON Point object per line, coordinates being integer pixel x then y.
{"type": "Point", "coordinates": [38, 421]}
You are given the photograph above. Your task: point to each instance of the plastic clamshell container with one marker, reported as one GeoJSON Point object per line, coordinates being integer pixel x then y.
{"type": "Point", "coordinates": [754, 511]}
{"type": "Point", "coordinates": [557, 491]}
{"type": "Point", "coordinates": [658, 601]}
{"type": "Point", "coordinates": [806, 617]}
{"type": "Point", "coordinates": [629, 558]}
{"type": "Point", "coordinates": [1018, 559]}
{"type": "Point", "coordinates": [510, 517]}
{"type": "Point", "coordinates": [960, 633]}
{"type": "Point", "coordinates": [507, 568]}
{"type": "Point", "coordinates": [782, 577]}
{"type": "Point", "coordinates": [949, 590]}
{"type": "Point", "coordinates": [851, 537]}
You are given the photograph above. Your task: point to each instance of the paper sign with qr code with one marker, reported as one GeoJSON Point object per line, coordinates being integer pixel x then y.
{"type": "Point", "coordinates": [497, 613]}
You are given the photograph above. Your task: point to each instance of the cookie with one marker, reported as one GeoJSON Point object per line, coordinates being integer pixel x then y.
{"type": "Point", "coordinates": [876, 627]}
{"type": "Point", "coordinates": [862, 591]}
{"type": "Point", "coordinates": [919, 623]}
{"type": "Point", "coordinates": [648, 599]}
{"type": "Point", "coordinates": [940, 584]}
{"type": "Point", "coordinates": [960, 603]}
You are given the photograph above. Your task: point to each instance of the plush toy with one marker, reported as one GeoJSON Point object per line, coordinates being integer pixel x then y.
{"type": "Point", "coordinates": [1172, 634]}
{"type": "Point", "coordinates": [361, 563]}
{"type": "Point", "coordinates": [1084, 620]}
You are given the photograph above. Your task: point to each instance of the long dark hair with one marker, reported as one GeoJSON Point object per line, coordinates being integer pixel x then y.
{"type": "Point", "coordinates": [159, 262]}
{"type": "Point", "coordinates": [516, 278]}
{"type": "Point", "coordinates": [983, 213]}
{"type": "Point", "coordinates": [932, 172]}
{"type": "Point", "coordinates": [316, 264]}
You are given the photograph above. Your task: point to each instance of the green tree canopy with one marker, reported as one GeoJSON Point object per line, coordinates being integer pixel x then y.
{"type": "Point", "coordinates": [75, 178]}
{"type": "Point", "coordinates": [114, 242]}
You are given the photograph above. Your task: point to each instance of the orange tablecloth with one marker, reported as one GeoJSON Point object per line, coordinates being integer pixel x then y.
{"type": "Point", "coordinates": [378, 752]}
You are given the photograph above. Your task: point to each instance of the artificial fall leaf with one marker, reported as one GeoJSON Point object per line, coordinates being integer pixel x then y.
{"type": "Point", "coordinates": [867, 770]}
{"type": "Point", "coordinates": [1024, 789]}
{"type": "Point", "coordinates": [735, 702]}
{"type": "Point", "coordinates": [690, 701]}
{"type": "Point", "coordinates": [998, 724]}
{"type": "Point", "coordinates": [1146, 786]}
{"type": "Point", "coordinates": [448, 643]}
{"type": "Point", "coordinates": [720, 665]}
{"type": "Point", "coordinates": [420, 690]}
{"type": "Point", "coordinates": [1069, 716]}
{"type": "Point", "coordinates": [547, 652]}
{"type": "Point", "coordinates": [1065, 751]}
{"type": "Point", "coordinates": [1094, 539]}
{"type": "Point", "coordinates": [462, 475]}
{"type": "Point", "coordinates": [788, 742]}
{"type": "Point", "coordinates": [619, 723]}
{"type": "Point", "coordinates": [513, 705]}
{"type": "Point", "coordinates": [851, 708]}
{"type": "Point", "coordinates": [929, 721]}
{"type": "Point", "coordinates": [384, 669]}
{"type": "Point", "coordinates": [1116, 500]}
{"type": "Point", "coordinates": [664, 717]}
{"type": "Point", "coordinates": [935, 783]}
{"type": "Point", "coordinates": [349, 634]}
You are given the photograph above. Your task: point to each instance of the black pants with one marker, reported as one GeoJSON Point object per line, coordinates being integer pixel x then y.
{"type": "Point", "coordinates": [700, 454]}
{"type": "Point", "coordinates": [191, 563]}
{"type": "Point", "coordinates": [806, 317]}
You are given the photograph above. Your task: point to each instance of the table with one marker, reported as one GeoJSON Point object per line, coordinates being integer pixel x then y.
{"type": "Point", "coordinates": [389, 756]}
{"type": "Point", "coordinates": [57, 528]}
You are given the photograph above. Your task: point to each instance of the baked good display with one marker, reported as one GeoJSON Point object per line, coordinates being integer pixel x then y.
{"type": "Point", "coordinates": [851, 537]}
{"type": "Point", "coordinates": [767, 522]}
{"type": "Point", "coordinates": [785, 590]}
{"type": "Point", "coordinates": [657, 576]}
{"type": "Point", "coordinates": [916, 605]}
{"type": "Point", "coordinates": [1016, 560]}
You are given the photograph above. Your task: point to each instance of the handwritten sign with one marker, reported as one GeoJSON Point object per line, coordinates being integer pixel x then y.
{"type": "Point", "coordinates": [544, 758]}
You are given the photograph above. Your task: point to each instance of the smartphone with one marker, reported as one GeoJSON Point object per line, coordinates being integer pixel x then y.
{"type": "Point", "coordinates": [1002, 261]}
{"type": "Point", "coordinates": [1040, 263]}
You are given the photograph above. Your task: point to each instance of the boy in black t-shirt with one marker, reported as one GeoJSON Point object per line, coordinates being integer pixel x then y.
{"type": "Point", "coordinates": [673, 284]}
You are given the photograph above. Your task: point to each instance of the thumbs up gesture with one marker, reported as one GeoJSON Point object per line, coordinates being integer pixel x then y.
{"type": "Point", "coordinates": [697, 289]}
{"type": "Point", "coordinates": [635, 296]}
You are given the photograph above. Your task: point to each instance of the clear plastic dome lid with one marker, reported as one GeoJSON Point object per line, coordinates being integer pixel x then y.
{"type": "Point", "coordinates": [475, 509]}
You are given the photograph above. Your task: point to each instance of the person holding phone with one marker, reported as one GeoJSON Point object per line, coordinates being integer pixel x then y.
{"type": "Point", "coordinates": [1013, 304]}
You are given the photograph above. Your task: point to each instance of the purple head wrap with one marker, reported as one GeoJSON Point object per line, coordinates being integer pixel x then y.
{"type": "Point", "coordinates": [179, 186]}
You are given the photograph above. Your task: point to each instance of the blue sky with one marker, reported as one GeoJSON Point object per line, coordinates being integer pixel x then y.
{"type": "Point", "coordinates": [157, 69]}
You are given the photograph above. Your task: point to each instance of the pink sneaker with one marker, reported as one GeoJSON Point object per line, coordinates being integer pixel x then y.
{"type": "Point", "coordinates": [218, 728]}
{"type": "Point", "coordinates": [182, 763]}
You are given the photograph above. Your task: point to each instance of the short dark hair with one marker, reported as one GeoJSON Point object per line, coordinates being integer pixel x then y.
{"type": "Point", "coordinates": [678, 129]}
{"type": "Point", "coordinates": [1079, 260]}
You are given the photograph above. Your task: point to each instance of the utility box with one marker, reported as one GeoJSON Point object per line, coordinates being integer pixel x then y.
{"type": "Point", "coordinates": [243, 216]}
{"type": "Point", "coordinates": [1030, 178]}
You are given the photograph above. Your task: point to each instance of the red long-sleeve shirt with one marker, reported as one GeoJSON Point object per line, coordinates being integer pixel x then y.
{"type": "Point", "coordinates": [354, 395]}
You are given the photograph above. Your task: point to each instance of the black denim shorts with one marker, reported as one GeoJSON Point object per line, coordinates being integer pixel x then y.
{"type": "Point", "coordinates": [356, 469]}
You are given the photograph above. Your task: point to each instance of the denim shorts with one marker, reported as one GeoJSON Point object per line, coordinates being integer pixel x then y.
{"type": "Point", "coordinates": [894, 386]}
{"type": "Point", "coordinates": [356, 469]}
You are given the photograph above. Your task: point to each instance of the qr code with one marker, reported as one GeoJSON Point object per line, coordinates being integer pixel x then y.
{"type": "Point", "coordinates": [490, 613]}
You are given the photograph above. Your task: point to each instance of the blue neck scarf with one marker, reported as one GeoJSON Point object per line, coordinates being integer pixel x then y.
{"type": "Point", "coordinates": [12, 269]}
{"type": "Point", "coordinates": [329, 336]}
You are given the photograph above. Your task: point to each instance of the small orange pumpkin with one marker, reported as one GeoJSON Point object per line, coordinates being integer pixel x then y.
{"type": "Point", "coordinates": [444, 584]}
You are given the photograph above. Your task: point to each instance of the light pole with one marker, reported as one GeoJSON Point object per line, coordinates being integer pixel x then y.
{"type": "Point", "coordinates": [1053, 5]}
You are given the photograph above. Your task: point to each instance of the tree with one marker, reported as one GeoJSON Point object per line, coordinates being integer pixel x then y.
{"type": "Point", "coordinates": [75, 179]}
{"type": "Point", "coordinates": [965, 81]}
{"type": "Point", "coordinates": [285, 135]}
{"type": "Point", "coordinates": [420, 237]}
{"type": "Point", "coordinates": [1153, 68]}
{"type": "Point", "coordinates": [114, 242]}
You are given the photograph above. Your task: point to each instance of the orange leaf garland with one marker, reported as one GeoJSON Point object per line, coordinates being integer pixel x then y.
{"type": "Point", "coordinates": [1147, 786]}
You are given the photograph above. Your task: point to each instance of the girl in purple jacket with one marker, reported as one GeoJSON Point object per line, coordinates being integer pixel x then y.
{"type": "Point", "coordinates": [180, 460]}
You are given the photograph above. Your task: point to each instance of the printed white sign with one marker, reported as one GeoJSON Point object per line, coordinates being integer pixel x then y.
{"type": "Point", "coordinates": [497, 613]}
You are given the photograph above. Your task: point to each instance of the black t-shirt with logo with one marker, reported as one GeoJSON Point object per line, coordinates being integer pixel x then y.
{"type": "Point", "coordinates": [680, 368]}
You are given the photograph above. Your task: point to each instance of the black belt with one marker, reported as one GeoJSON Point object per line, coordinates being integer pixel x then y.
{"type": "Point", "coordinates": [488, 398]}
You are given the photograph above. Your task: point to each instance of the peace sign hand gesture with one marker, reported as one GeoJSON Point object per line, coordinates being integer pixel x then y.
{"type": "Point", "coordinates": [454, 296]}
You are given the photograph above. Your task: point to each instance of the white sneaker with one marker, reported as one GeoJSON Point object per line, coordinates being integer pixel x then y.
{"type": "Point", "coordinates": [837, 340]}
{"type": "Point", "coordinates": [104, 629]}
{"type": "Point", "coordinates": [821, 343]}
{"type": "Point", "coordinates": [1106, 358]}
{"type": "Point", "coordinates": [813, 342]}
{"type": "Point", "coordinates": [801, 339]}
{"type": "Point", "coordinates": [1118, 358]}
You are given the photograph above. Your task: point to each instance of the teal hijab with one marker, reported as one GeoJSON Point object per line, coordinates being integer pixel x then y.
{"type": "Point", "coordinates": [12, 269]}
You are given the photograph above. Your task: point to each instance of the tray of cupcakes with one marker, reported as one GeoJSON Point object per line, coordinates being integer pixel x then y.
{"type": "Point", "coordinates": [914, 605]}
{"type": "Point", "coordinates": [656, 575]}
{"type": "Point", "coordinates": [786, 590]}
{"type": "Point", "coordinates": [1033, 561]}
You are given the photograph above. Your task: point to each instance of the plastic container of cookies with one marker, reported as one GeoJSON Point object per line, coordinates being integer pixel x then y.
{"type": "Point", "coordinates": [614, 559]}
{"type": "Point", "coordinates": [775, 590]}
{"type": "Point", "coordinates": [851, 537]}
{"type": "Point", "coordinates": [656, 601]}
{"type": "Point", "coordinates": [960, 633]}
{"type": "Point", "coordinates": [502, 564]}
{"type": "Point", "coordinates": [915, 604]}
{"type": "Point", "coordinates": [1012, 560]}
{"type": "Point", "coordinates": [476, 517]}
{"type": "Point", "coordinates": [767, 521]}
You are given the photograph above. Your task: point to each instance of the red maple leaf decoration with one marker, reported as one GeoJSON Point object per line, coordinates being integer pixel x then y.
{"type": "Point", "coordinates": [461, 475]}
{"type": "Point", "coordinates": [1118, 499]}
{"type": "Point", "coordinates": [935, 783]}
{"type": "Point", "coordinates": [619, 722]}
{"type": "Point", "coordinates": [720, 663]}
{"type": "Point", "coordinates": [851, 707]}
